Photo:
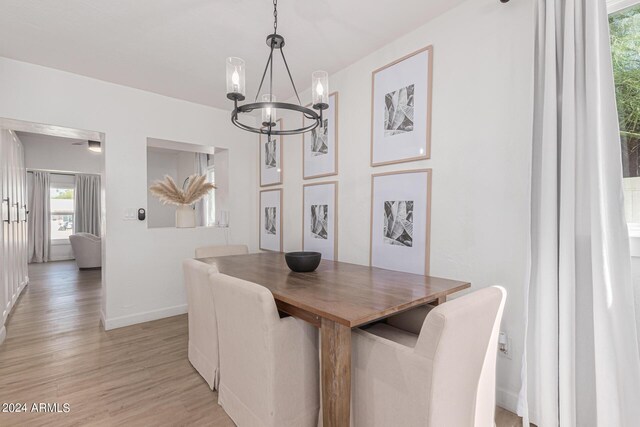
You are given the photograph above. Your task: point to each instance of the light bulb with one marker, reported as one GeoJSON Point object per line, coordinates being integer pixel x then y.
{"type": "Point", "coordinates": [235, 80]}
{"type": "Point", "coordinates": [320, 90]}
{"type": "Point", "coordinates": [269, 111]}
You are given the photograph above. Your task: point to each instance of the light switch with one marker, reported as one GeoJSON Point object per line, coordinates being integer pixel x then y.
{"type": "Point", "coordinates": [130, 214]}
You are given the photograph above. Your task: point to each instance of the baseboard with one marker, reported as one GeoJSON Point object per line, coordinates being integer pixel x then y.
{"type": "Point", "coordinates": [61, 258]}
{"type": "Point", "coordinates": [507, 399]}
{"type": "Point", "coordinates": [23, 285]}
{"type": "Point", "coordinates": [3, 334]}
{"type": "Point", "coordinates": [103, 321]}
{"type": "Point", "coordinates": [132, 319]}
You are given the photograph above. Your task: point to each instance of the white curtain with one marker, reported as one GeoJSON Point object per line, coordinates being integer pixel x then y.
{"type": "Point", "coordinates": [87, 204]}
{"type": "Point", "coordinates": [202, 163]}
{"type": "Point", "coordinates": [581, 365]}
{"type": "Point", "coordinates": [39, 221]}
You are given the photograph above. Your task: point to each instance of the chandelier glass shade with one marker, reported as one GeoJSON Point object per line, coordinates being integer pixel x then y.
{"type": "Point", "coordinates": [235, 76]}
{"type": "Point", "coordinates": [268, 106]}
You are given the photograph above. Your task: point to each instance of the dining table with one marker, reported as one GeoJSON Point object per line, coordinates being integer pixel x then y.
{"type": "Point", "coordinates": [336, 298]}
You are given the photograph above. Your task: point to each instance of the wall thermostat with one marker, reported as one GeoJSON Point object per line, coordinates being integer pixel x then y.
{"type": "Point", "coordinates": [141, 214]}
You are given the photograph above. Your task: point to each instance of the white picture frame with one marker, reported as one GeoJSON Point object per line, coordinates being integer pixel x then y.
{"type": "Point", "coordinates": [271, 158]}
{"type": "Point", "coordinates": [270, 220]}
{"type": "Point", "coordinates": [401, 221]}
{"type": "Point", "coordinates": [320, 146]}
{"type": "Point", "coordinates": [320, 219]}
{"type": "Point", "coordinates": [401, 94]}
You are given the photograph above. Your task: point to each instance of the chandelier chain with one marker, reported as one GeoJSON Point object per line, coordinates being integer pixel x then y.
{"type": "Point", "coordinates": [275, 16]}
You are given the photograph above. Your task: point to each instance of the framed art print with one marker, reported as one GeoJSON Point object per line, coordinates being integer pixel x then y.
{"type": "Point", "coordinates": [271, 220]}
{"type": "Point", "coordinates": [320, 146]}
{"type": "Point", "coordinates": [320, 219]}
{"type": "Point", "coordinates": [271, 159]}
{"type": "Point", "coordinates": [400, 221]}
{"type": "Point", "coordinates": [401, 109]}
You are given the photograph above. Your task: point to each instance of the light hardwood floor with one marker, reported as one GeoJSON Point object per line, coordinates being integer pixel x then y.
{"type": "Point", "coordinates": [57, 352]}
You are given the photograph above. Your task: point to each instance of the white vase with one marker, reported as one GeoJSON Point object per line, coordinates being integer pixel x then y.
{"type": "Point", "coordinates": [185, 216]}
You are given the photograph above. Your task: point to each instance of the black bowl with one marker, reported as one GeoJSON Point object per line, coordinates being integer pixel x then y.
{"type": "Point", "coordinates": [303, 262]}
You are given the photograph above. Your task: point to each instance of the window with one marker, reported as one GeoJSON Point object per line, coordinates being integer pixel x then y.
{"type": "Point", "coordinates": [625, 49]}
{"type": "Point", "coordinates": [210, 199]}
{"type": "Point", "coordinates": [62, 211]}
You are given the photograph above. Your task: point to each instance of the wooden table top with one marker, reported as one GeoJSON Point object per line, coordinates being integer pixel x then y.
{"type": "Point", "coordinates": [349, 294]}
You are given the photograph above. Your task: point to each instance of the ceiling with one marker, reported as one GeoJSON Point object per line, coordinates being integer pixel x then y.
{"type": "Point", "coordinates": [178, 47]}
{"type": "Point", "coordinates": [37, 138]}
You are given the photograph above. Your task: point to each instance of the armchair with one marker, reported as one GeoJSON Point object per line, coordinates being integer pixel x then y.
{"type": "Point", "coordinates": [87, 249]}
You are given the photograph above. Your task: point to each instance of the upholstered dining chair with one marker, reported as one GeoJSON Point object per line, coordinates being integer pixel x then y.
{"type": "Point", "coordinates": [434, 366]}
{"type": "Point", "coordinates": [222, 250]}
{"type": "Point", "coordinates": [203, 326]}
{"type": "Point", "coordinates": [268, 365]}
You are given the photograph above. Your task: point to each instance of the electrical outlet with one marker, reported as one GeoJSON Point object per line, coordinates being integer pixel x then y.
{"type": "Point", "coordinates": [504, 345]}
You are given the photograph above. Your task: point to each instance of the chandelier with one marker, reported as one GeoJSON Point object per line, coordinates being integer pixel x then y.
{"type": "Point", "coordinates": [236, 92]}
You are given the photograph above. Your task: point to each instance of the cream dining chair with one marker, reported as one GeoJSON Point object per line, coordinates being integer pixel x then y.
{"type": "Point", "coordinates": [203, 326]}
{"type": "Point", "coordinates": [222, 250]}
{"type": "Point", "coordinates": [433, 366]}
{"type": "Point", "coordinates": [268, 365]}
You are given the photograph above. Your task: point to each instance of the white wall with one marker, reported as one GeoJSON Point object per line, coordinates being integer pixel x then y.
{"type": "Point", "coordinates": [159, 164]}
{"type": "Point", "coordinates": [482, 107]}
{"type": "Point", "coordinates": [143, 266]}
{"type": "Point", "coordinates": [221, 169]}
{"type": "Point", "coordinates": [186, 166]}
{"type": "Point", "coordinates": [55, 153]}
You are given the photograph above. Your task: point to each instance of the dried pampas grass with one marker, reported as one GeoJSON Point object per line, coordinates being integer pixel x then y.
{"type": "Point", "coordinates": [170, 194]}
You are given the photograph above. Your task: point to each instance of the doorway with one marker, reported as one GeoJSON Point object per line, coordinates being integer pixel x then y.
{"type": "Point", "coordinates": [63, 201]}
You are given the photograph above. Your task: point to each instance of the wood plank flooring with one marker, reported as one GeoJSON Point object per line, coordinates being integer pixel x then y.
{"type": "Point", "coordinates": [57, 352]}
